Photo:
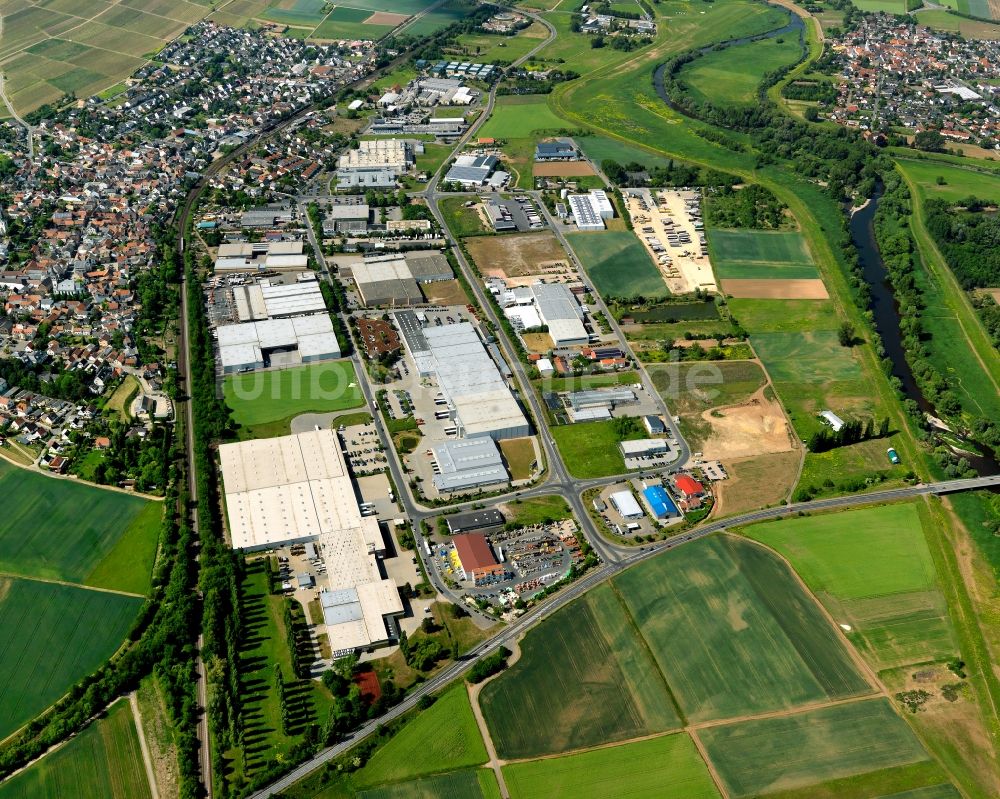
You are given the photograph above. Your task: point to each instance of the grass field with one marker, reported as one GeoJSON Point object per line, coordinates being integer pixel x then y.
{"type": "Point", "coordinates": [521, 117]}
{"type": "Point", "coordinates": [460, 220]}
{"type": "Point", "coordinates": [600, 148]}
{"type": "Point", "coordinates": [260, 397]}
{"type": "Point", "coordinates": [536, 510]}
{"type": "Point", "coordinates": [892, 603]}
{"type": "Point", "coordinates": [439, 18]}
{"type": "Point", "coordinates": [731, 76]}
{"type": "Point", "coordinates": [787, 755]}
{"type": "Point", "coordinates": [690, 388]}
{"type": "Point", "coordinates": [959, 182]}
{"type": "Point", "coordinates": [444, 737]}
{"type": "Point", "coordinates": [103, 762]}
{"type": "Point", "coordinates": [588, 674]}
{"type": "Point", "coordinates": [467, 784]}
{"type": "Point", "coordinates": [489, 48]}
{"type": "Point", "coordinates": [617, 264]}
{"type": "Point", "coordinates": [51, 635]}
{"type": "Point", "coordinates": [668, 767]}
{"type": "Point", "coordinates": [63, 530]}
{"type": "Point", "coordinates": [755, 254]}
{"type": "Point", "coordinates": [519, 453]}
{"type": "Point", "coordinates": [732, 603]}
{"type": "Point", "coordinates": [590, 449]}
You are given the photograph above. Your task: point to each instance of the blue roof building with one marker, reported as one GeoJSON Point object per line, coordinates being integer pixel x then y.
{"type": "Point", "coordinates": [660, 503]}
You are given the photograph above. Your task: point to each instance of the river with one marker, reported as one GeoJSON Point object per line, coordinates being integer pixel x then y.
{"type": "Point", "coordinates": [886, 311]}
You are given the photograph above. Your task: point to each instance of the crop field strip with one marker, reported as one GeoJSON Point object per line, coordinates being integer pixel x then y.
{"type": "Point", "coordinates": [51, 635]}
{"type": "Point", "coordinates": [63, 530]}
{"type": "Point", "coordinates": [857, 749]}
{"type": "Point", "coordinates": [617, 264]}
{"type": "Point", "coordinates": [735, 634]}
{"type": "Point", "coordinates": [466, 784]}
{"type": "Point", "coordinates": [103, 762]}
{"type": "Point", "coordinates": [605, 687]}
{"type": "Point", "coordinates": [665, 767]}
{"type": "Point", "coordinates": [892, 602]}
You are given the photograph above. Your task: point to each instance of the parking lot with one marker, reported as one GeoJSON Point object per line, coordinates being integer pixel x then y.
{"type": "Point", "coordinates": [363, 449]}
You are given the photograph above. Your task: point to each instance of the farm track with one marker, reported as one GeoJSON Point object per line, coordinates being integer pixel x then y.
{"type": "Point", "coordinates": [73, 585]}
{"type": "Point", "coordinates": [147, 761]}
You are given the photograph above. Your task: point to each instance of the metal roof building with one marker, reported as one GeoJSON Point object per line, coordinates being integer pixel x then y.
{"type": "Point", "coordinates": [481, 402]}
{"type": "Point", "coordinates": [625, 503]}
{"type": "Point", "coordinates": [596, 397]}
{"type": "Point", "coordinates": [491, 519]}
{"type": "Point", "coordinates": [297, 489]}
{"type": "Point", "coordinates": [561, 313]}
{"type": "Point", "coordinates": [245, 346]}
{"type": "Point", "coordinates": [468, 463]}
{"type": "Point", "coordinates": [472, 170]}
{"type": "Point", "coordinates": [660, 503]}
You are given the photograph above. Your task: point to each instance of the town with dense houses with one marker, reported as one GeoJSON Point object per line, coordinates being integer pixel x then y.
{"type": "Point", "coordinates": [898, 74]}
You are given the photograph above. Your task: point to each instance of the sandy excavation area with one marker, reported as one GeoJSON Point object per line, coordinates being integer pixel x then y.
{"type": "Point", "coordinates": [754, 427]}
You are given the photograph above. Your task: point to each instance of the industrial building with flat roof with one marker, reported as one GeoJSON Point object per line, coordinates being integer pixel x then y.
{"type": "Point", "coordinates": [297, 489]}
{"type": "Point", "coordinates": [480, 520]}
{"type": "Point", "coordinates": [590, 210]}
{"type": "Point", "coordinates": [646, 453]}
{"type": "Point", "coordinates": [660, 504]}
{"type": "Point", "coordinates": [395, 280]}
{"type": "Point", "coordinates": [468, 463]}
{"type": "Point", "coordinates": [625, 503]}
{"type": "Point", "coordinates": [304, 339]}
{"type": "Point", "coordinates": [561, 313]}
{"type": "Point", "coordinates": [472, 170]}
{"type": "Point", "coordinates": [479, 400]}
{"type": "Point", "coordinates": [244, 256]}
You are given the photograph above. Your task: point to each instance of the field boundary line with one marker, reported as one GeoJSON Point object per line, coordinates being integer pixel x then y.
{"type": "Point", "coordinates": [147, 761]}
{"type": "Point", "coordinates": [68, 584]}
{"type": "Point", "coordinates": [805, 707]}
{"type": "Point", "coordinates": [681, 717]}
{"type": "Point", "coordinates": [863, 667]}
{"type": "Point", "coordinates": [495, 763]}
{"type": "Point", "coordinates": [709, 765]}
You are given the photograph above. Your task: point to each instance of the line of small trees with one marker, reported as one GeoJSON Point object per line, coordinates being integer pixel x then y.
{"type": "Point", "coordinates": [852, 432]}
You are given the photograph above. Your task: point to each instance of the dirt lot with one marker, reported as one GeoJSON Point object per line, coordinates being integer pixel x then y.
{"type": "Point", "coordinates": [812, 289]}
{"type": "Point", "coordinates": [755, 427]}
{"type": "Point", "coordinates": [537, 342]}
{"type": "Point", "coordinates": [518, 255]}
{"type": "Point", "coordinates": [445, 292]}
{"type": "Point", "coordinates": [559, 169]}
{"type": "Point", "coordinates": [385, 18]}
{"type": "Point", "coordinates": [756, 482]}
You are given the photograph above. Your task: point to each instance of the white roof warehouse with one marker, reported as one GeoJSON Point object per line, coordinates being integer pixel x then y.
{"type": "Point", "coordinates": [297, 489]}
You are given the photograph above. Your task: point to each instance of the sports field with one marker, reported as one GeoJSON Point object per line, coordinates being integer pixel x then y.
{"type": "Point", "coordinates": [467, 784]}
{"type": "Point", "coordinates": [668, 767]}
{"type": "Point", "coordinates": [262, 397]}
{"type": "Point", "coordinates": [617, 264]}
{"type": "Point", "coordinates": [442, 738]}
{"type": "Point", "coordinates": [892, 604]}
{"type": "Point", "coordinates": [755, 254]}
{"type": "Point", "coordinates": [65, 530]}
{"type": "Point", "coordinates": [586, 672]}
{"type": "Point", "coordinates": [732, 75]}
{"type": "Point", "coordinates": [715, 606]}
{"type": "Point", "coordinates": [102, 762]}
{"type": "Point", "coordinates": [51, 635]}
{"type": "Point", "coordinates": [822, 753]}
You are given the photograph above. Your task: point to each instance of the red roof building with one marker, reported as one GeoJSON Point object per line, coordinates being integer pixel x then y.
{"type": "Point", "coordinates": [689, 486]}
{"type": "Point", "coordinates": [476, 559]}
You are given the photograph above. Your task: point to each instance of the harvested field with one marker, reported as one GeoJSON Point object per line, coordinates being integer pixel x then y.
{"type": "Point", "coordinates": [537, 342]}
{"type": "Point", "coordinates": [756, 482]}
{"type": "Point", "coordinates": [518, 254]}
{"type": "Point", "coordinates": [755, 427]}
{"type": "Point", "coordinates": [386, 18]}
{"type": "Point", "coordinates": [811, 289]}
{"type": "Point", "coordinates": [692, 387]}
{"type": "Point", "coordinates": [712, 608]}
{"type": "Point", "coordinates": [563, 169]}
{"type": "Point", "coordinates": [784, 756]}
{"type": "Point", "coordinates": [586, 672]}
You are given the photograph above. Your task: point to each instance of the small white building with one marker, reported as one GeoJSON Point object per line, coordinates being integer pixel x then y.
{"type": "Point", "coordinates": [626, 504]}
{"type": "Point", "coordinates": [832, 419]}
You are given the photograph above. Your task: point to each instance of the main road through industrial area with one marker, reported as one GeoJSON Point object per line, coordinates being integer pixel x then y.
{"type": "Point", "coordinates": [556, 479]}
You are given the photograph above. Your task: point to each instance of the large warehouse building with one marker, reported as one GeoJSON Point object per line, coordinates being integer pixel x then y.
{"type": "Point", "coordinates": [267, 300]}
{"type": "Point", "coordinates": [254, 345]}
{"type": "Point", "coordinates": [550, 304]}
{"type": "Point", "coordinates": [468, 463]}
{"type": "Point", "coordinates": [395, 280]}
{"type": "Point", "coordinates": [243, 256]}
{"type": "Point", "coordinates": [479, 399]}
{"type": "Point", "coordinates": [590, 210]}
{"type": "Point", "coordinates": [297, 489]}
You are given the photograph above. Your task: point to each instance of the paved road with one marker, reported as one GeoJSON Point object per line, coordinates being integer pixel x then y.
{"type": "Point", "coordinates": [594, 578]}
